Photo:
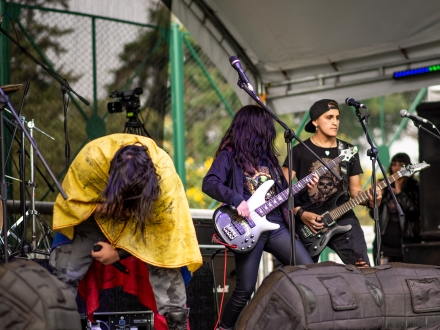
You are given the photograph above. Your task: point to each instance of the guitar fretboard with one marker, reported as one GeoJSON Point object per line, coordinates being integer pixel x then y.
{"type": "Point", "coordinates": [282, 196]}
{"type": "Point", "coordinates": [344, 208]}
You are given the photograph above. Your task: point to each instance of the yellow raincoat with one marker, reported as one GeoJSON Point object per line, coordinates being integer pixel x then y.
{"type": "Point", "coordinates": [170, 238]}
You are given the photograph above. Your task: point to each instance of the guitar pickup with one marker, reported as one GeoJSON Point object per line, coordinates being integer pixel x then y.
{"type": "Point", "coordinates": [306, 232]}
{"type": "Point", "coordinates": [238, 227]}
{"type": "Point", "coordinates": [250, 222]}
{"type": "Point", "coordinates": [327, 219]}
{"type": "Point", "coordinates": [230, 232]}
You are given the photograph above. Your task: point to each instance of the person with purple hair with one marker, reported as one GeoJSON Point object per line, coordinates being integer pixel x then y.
{"type": "Point", "coordinates": [125, 196]}
{"type": "Point", "coordinates": [245, 159]}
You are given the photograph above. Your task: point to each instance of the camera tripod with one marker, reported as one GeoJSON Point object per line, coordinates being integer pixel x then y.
{"type": "Point", "coordinates": [134, 126]}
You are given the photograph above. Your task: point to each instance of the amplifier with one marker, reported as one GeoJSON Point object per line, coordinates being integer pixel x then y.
{"type": "Point", "coordinates": [140, 320]}
{"type": "Point", "coordinates": [426, 253]}
{"type": "Point", "coordinates": [204, 225]}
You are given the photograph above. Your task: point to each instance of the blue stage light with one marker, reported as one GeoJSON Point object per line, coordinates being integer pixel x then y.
{"type": "Point", "coordinates": [416, 71]}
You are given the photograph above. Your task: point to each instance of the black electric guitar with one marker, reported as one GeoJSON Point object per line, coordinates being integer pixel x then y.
{"type": "Point", "coordinates": [315, 243]}
{"type": "Point", "coordinates": [244, 233]}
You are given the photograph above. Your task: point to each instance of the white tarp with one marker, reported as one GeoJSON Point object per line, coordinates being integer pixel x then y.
{"type": "Point", "coordinates": [326, 49]}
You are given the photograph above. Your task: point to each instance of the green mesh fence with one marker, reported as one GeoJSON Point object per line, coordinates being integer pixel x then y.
{"type": "Point", "coordinates": [209, 107]}
{"type": "Point", "coordinates": [96, 55]}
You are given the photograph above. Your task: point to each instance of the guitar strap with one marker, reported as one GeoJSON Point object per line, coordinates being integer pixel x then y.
{"type": "Point", "coordinates": [344, 166]}
{"type": "Point", "coordinates": [230, 182]}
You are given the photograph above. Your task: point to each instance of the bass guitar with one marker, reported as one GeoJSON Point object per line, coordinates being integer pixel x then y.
{"type": "Point", "coordinates": [241, 234]}
{"type": "Point", "coordinates": [315, 243]}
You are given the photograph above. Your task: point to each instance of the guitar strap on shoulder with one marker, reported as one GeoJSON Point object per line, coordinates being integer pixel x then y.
{"type": "Point", "coordinates": [230, 182]}
{"type": "Point", "coordinates": [344, 166]}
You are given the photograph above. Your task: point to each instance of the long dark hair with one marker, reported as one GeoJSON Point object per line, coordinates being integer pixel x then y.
{"type": "Point", "coordinates": [251, 136]}
{"type": "Point", "coordinates": [401, 157]}
{"type": "Point", "coordinates": [132, 187]}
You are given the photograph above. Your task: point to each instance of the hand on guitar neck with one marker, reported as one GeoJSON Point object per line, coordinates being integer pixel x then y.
{"type": "Point", "coordinates": [314, 221]}
{"type": "Point", "coordinates": [370, 203]}
{"type": "Point", "coordinates": [314, 239]}
{"type": "Point", "coordinates": [398, 185]}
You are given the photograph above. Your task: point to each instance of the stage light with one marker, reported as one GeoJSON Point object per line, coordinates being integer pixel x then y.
{"type": "Point", "coordinates": [416, 71]}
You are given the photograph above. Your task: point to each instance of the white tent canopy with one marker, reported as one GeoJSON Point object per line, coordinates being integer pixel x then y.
{"type": "Point", "coordinates": [301, 51]}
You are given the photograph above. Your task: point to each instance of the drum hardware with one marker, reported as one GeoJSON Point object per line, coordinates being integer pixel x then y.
{"type": "Point", "coordinates": [42, 235]}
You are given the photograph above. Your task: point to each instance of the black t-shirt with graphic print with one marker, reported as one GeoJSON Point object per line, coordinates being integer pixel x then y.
{"type": "Point", "coordinates": [304, 163]}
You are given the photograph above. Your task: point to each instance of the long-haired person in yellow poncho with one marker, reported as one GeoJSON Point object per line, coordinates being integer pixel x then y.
{"type": "Point", "coordinates": [123, 189]}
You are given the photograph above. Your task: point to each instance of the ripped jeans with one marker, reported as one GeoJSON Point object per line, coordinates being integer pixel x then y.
{"type": "Point", "coordinates": [350, 246]}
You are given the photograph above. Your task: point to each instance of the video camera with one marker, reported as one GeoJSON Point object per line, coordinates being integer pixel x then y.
{"type": "Point", "coordinates": [128, 101]}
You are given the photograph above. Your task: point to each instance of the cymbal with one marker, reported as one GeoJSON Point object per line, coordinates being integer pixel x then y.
{"type": "Point", "coordinates": [11, 88]}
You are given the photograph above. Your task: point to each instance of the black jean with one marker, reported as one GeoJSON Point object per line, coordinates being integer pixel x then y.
{"type": "Point", "coordinates": [350, 246]}
{"type": "Point", "coordinates": [276, 242]}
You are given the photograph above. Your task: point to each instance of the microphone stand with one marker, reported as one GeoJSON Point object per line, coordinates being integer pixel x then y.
{"type": "Point", "coordinates": [3, 101]}
{"type": "Point", "coordinates": [289, 135]}
{"type": "Point", "coordinates": [55, 75]}
{"type": "Point", "coordinates": [419, 125]}
{"type": "Point", "coordinates": [373, 154]}
{"type": "Point", "coordinates": [64, 88]}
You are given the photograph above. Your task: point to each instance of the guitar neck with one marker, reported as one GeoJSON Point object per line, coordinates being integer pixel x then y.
{"type": "Point", "coordinates": [362, 197]}
{"type": "Point", "coordinates": [282, 196]}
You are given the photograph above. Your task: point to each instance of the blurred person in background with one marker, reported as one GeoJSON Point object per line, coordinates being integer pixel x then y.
{"type": "Point", "coordinates": [396, 230]}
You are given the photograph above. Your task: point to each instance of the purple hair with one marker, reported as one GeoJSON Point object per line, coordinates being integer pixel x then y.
{"type": "Point", "coordinates": [251, 135]}
{"type": "Point", "coordinates": [132, 187]}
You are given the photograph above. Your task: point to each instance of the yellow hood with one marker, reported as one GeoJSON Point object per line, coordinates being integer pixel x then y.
{"type": "Point", "coordinates": [170, 238]}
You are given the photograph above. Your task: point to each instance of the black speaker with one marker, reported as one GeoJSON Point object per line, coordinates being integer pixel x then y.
{"type": "Point", "coordinates": [422, 253]}
{"type": "Point", "coordinates": [429, 151]}
{"type": "Point", "coordinates": [204, 231]}
{"type": "Point", "coordinates": [200, 299]}
{"type": "Point", "coordinates": [224, 279]}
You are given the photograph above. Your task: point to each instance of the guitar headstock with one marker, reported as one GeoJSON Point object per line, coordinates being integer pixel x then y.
{"type": "Point", "coordinates": [413, 168]}
{"type": "Point", "coordinates": [348, 154]}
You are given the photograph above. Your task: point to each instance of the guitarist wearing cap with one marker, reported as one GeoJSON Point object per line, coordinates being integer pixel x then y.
{"type": "Point", "coordinates": [324, 123]}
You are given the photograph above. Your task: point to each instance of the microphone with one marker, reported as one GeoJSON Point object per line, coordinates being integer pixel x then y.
{"type": "Point", "coordinates": [235, 63]}
{"type": "Point", "coordinates": [117, 264]}
{"type": "Point", "coordinates": [353, 103]}
{"type": "Point", "coordinates": [404, 113]}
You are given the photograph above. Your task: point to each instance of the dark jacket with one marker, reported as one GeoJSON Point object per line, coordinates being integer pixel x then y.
{"type": "Point", "coordinates": [224, 182]}
{"type": "Point", "coordinates": [409, 201]}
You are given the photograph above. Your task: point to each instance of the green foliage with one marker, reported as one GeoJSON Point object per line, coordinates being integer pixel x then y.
{"type": "Point", "coordinates": [44, 102]}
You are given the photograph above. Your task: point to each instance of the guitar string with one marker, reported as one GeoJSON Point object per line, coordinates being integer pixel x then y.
{"type": "Point", "coordinates": [278, 199]}
{"type": "Point", "coordinates": [335, 214]}
{"type": "Point", "coordinates": [297, 186]}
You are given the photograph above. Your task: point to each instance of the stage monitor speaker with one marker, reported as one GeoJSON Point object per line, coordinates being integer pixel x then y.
{"type": "Point", "coordinates": [200, 291]}
{"type": "Point", "coordinates": [422, 253]}
{"type": "Point", "coordinates": [429, 151]}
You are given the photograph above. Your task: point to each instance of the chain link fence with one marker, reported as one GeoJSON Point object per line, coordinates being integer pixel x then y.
{"type": "Point", "coordinates": [96, 55]}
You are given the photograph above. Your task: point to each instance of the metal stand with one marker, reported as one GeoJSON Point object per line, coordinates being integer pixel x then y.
{"type": "Point", "coordinates": [46, 235]}
{"type": "Point", "coordinates": [42, 242]}
{"type": "Point", "coordinates": [3, 101]}
{"type": "Point", "coordinates": [133, 124]}
{"type": "Point", "coordinates": [373, 154]}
